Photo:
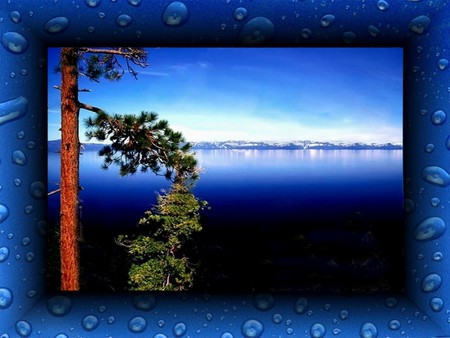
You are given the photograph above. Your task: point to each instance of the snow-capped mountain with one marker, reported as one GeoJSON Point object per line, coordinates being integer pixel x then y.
{"type": "Point", "coordinates": [293, 145]}
{"type": "Point", "coordinates": [54, 146]}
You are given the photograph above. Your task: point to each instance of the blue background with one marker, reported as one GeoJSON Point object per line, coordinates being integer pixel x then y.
{"type": "Point", "coordinates": [420, 28]}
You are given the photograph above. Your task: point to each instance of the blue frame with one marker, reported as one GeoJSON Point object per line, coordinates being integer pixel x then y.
{"type": "Point", "coordinates": [420, 27]}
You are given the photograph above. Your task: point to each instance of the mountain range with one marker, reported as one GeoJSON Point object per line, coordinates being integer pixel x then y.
{"type": "Point", "coordinates": [54, 146]}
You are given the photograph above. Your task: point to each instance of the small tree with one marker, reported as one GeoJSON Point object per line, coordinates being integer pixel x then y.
{"type": "Point", "coordinates": [142, 143]}
{"type": "Point", "coordinates": [159, 252]}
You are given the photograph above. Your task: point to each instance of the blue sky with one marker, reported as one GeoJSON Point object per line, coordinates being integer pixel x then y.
{"type": "Point", "coordinates": [256, 94]}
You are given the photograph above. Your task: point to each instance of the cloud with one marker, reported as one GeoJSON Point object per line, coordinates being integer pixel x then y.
{"type": "Point", "coordinates": [152, 73]}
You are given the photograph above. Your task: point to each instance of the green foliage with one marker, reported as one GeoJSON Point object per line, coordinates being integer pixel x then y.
{"type": "Point", "coordinates": [142, 142]}
{"type": "Point", "coordinates": [96, 63]}
{"type": "Point", "coordinates": [159, 252]}
{"type": "Point", "coordinates": [100, 63]}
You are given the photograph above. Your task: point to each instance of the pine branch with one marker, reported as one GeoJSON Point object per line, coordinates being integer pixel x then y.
{"type": "Point", "coordinates": [91, 108]}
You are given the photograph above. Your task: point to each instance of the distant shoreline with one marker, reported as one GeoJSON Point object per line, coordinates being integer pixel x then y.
{"type": "Point", "coordinates": [54, 146]}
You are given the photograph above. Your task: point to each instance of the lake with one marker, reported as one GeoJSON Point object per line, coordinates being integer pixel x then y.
{"type": "Point", "coordinates": [264, 203]}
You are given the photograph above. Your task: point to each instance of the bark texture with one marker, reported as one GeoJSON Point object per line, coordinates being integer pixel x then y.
{"type": "Point", "coordinates": [70, 147]}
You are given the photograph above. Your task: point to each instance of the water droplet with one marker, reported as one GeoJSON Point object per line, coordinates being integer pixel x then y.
{"type": "Point", "coordinates": [31, 293]}
{"type": "Point", "coordinates": [382, 5]}
{"type": "Point", "coordinates": [429, 147]}
{"type": "Point", "coordinates": [348, 37]}
{"type": "Point", "coordinates": [12, 75]}
{"type": "Point", "coordinates": [373, 31]}
{"type": "Point", "coordinates": [343, 314]}
{"type": "Point", "coordinates": [89, 322]}
{"type": "Point", "coordinates": [13, 109]}
{"type": "Point", "coordinates": [317, 330]}
{"type": "Point", "coordinates": [436, 304]}
{"type": "Point", "coordinates": [419, 24]}
{"type": "Point", "coordinates": [15, 16]}
{"type": "Point", "coordinates": [431, 283]}
{"type": "Point", "coordinates": [137, 324]}
{"type": "Point", "coordinates": [25, 241]}
{"type": "Point", "coordinates": [306, 33]}
{"type": "Point", "coordinates": [252, 328]}
{"type": "Point", "coordinates": [327, 307]}
{"type": "Point", "coordinates": [443, 64]}
{"type": "Point", "coordinates": [420, 256]}
{"type": "Point", "coordinates": [256, 31]}
{"type": "Point", "coordinates": [435, 201]}
{"type": "Point", "coordinates": [226, 335]}
{"type": "Point", "coordinates": [327, 20]}
{"type": "Point", "coordinates": [41, 228]}
{"type": "Point", "coordinates": [301, 305]}
{"type": "Point", "coordinates": [6, 298]}
{"type": "Point", "coordinates": [123, 20]}
{"type": "Point", "coordinates": [57, 25]}
{"type": "Point", "coordinates": [101, 15]}
{"type": "Point", "coordinates": [336, 331]}
{"type": "Point", "coordinates": [23, 328]}
{"type": "Point", "coordinates": [264, 302]}
{"type": "Point", "coordinates": [18, 157]}
{"type": "Point", "coordinates": [437, 256]}
{"type": "Point", "coordinates": [159, 335]}
{"type": "Point", "coordinates": [429, 229]}
{"type": "Point", "coordinates": [29, 257]}
{"type": "Point", "coordinates": [61, 335]}
{"type": "Point", "coordinates": [135, 2]}
{"type": "Point", "coordinates": [179, 329]}
{"type": "Point", "coordinates": [91, 29]}
{"type": "Point", "coordinates": [289, 331]}
{"type": "Point", "coordinates": [436, 176]}
{"type": "Point", "coordinates": [240, 13]}
{"type": "Point", "coordinates": [93, 3]}
{"type": "Point", "coordinates": [209, 316]}
{"type": "Point", "coordinates": [394, 324]}
{"type": "Point", "coordinates": [161, 323]}
{"type": "Point", "coordinates": [277, 318]}
{"type": "Point", "coordinates": [37, 190]}
{"type": "Point", "coordinates": [144, 301]}
{"type": "Point", "coordinates": [59, 306]}
{"type": "Point", "coordinates": [368, 330]}
{"type": "Point", "coordinates": [111, 320]}
{"type": "Point", "coordinates": [24, 72]}
{"type": "Point", "coordinates": [175, 14]}
{"type": "Point", "coordinates": [14, 43]}
{"type": "Point", "coordinates": [438, 118]}
{"type": "Point", "coordinates": [21, 135]}
{"type": "Point", "coordinates": [31, 145]}
{"type": "Point", "coordinates": [4, 254]}
{"type": "Point", "coordinates": [409, 205]}
{"type": "Point", "coordinates": [4, 213]}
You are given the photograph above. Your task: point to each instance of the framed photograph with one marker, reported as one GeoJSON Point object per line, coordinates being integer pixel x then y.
{"type": "Point", "coordinates": [346, 101]}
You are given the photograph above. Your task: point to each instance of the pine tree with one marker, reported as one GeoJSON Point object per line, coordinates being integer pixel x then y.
{"type": "Point", "coordinates": [142, 142]}
{"type": "Point", "coordinates": [158, 251]}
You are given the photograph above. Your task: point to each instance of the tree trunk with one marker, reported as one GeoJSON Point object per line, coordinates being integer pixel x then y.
{"type": "Point", "coordinates": [70, 147]}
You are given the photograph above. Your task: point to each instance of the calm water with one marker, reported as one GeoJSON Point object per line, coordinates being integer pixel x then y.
{"type": "Point", "coordinates": [262, 188]}
{"type": "Point", "coordinates": [279, 219]}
